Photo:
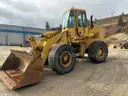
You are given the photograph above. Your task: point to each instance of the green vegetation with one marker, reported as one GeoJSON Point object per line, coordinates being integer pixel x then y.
{"type": "Point", "coordinates": [120, 20]}
{"type": "Point", "coordinates": [126, 28]}
{"type": "Point", "coordinates": [47, 26]}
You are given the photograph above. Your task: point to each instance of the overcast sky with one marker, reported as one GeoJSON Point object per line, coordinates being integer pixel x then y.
{"type": "Point", "coordinates": [35, 13]}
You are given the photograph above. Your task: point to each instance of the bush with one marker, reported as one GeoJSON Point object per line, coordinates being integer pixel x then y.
{"type": "Point", "coordinates": [126, 29]}
{"type": "Point", "coordinates": [120, 20]}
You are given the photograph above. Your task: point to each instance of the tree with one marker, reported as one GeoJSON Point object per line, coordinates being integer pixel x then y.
{"type": "Point", "coordinates": [60, 26]}
{"type": "Point", "coordinates": [95, 19]}
{"type": "Point", "coordinates": [126, 28]}
{"type": "Point", "coordinates": [120, 20]}
{"type": "Point", "coordinates": [47, 26]}
{"type": "Point", "coordinates": [122, 13]}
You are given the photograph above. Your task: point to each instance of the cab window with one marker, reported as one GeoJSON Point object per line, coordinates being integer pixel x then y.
{"type": "Point", "coordinates": [79, 19]}
{"type": "Point", "coordinates": [71, 19]}
{"type": "Point", "coordinates": [82, 21]}
{"type": "Point", "coordinates": [68, 19]}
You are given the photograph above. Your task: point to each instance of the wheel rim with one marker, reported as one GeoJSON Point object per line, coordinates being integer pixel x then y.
{"type": "Point", "coordinates": [101, 52]}
{"type": "Point", "coordinates": [65, 58]}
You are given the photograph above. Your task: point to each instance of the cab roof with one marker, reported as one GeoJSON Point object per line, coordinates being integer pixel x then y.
{"type": "Point", "coordinates": [75, 9]}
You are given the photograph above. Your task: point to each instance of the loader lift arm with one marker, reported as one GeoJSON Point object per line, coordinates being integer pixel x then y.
{"type": "Point", "coordinates": [21, 69]}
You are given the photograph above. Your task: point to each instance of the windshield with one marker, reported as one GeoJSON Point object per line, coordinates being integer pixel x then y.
{"type": "Point", "coordinates": [65, 19]}
{"type": "Point", "coordinates": [68, 19]}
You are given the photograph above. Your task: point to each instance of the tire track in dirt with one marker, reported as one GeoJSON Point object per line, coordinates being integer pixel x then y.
{"type": "Point", "coordinates": [94, 78]}
{"type": "Point", "coordinates": [117, 79]}
{"type": "Point", "coordinates": [105, 80]}
{"type": "Point", "coordinates": [59, 84]}
{"type": "Point", "coordinates": [119, 90]}
{"type": "Point", "coordinates": [115, 87]}
{"type": "Point", "coordinates": [85, 86]}
{"type": "Point", "coordinates": [72, 82]}
{"type": "Point", "coordinates": [107, 89]}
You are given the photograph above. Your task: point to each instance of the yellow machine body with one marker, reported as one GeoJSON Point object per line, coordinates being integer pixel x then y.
{"type": "Point", "coordinates": [21, 68]}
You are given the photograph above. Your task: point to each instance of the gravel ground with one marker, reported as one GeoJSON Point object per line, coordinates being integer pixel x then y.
{"type": "Point", "coordinates": [87, 79]}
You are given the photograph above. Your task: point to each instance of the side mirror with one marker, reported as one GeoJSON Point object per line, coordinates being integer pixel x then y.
{"type": "Point", "coordinates": [92, 23]}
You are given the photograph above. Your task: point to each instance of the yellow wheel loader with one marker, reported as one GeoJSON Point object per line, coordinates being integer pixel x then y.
{"type": "Point", "coordinates": [57, 49]}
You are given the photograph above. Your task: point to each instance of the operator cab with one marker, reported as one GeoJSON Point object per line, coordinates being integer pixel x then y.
{"type": "Point", "coordinates": [71, 15]}
{"type": "Point", "coordinates": [76, 22]}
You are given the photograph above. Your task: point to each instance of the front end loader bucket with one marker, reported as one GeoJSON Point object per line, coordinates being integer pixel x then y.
{"type": "Point", "coordinates": [21, 69]}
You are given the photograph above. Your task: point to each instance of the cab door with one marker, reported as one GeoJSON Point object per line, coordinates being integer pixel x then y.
{"type": "Point", "coordinates": [81, 23]}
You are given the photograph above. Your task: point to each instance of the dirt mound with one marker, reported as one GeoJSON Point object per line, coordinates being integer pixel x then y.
{"type": "Point", "coordinates": [117, 38]}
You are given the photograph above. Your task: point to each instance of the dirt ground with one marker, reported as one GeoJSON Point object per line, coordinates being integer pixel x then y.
{"type": "Point", "coordinates": [87, 79]}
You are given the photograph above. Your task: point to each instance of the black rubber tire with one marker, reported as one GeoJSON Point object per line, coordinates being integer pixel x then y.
{"type": "Point", "coordinates": [93, 52]}
{"type": "Point", "coordinates": [54, 59]}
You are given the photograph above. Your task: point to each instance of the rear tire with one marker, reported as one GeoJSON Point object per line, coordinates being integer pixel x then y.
{"type": "Point", "coordinates": [98, 52]}
{"type": "Point", "coordinates": [62, 58]}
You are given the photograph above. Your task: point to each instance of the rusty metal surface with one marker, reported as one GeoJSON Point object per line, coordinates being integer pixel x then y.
{"type": "Point", "coordinates": [7, 80]}
{"type": "Point", "coordinates": [21, 69]}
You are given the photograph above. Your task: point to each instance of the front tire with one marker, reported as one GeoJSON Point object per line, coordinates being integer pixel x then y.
{"type": "Point", "coordinates": [98, 52]}
{"type": "Point", "coordinates": [62, 58]}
